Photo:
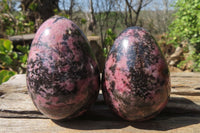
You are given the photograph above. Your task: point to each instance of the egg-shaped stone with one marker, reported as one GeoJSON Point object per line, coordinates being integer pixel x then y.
{"type": "Point", "coordinates": [136, 80]}
{"type": "Point", "coordinates": [62, 73]}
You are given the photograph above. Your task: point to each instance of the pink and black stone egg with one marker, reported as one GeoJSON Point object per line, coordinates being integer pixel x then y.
{"type": "Point", "coordinates": [62, 73]}
{"type": "Point", "coordinates": [136, 82]}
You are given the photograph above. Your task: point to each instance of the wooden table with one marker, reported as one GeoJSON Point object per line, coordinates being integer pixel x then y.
{"type": "Point", "coordinates": [182, 114]}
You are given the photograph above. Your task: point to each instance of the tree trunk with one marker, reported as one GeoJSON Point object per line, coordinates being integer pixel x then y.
{"type": "Point", "coordinates": [165, 3]}
{"type": "Point", "coordinates": [93, 19]}
{"type": "Point", "coordinates": [136, 8]}
{"type": "Point", "coordinates": [71, 8]}
{"type": "Point", "coordinates": [44, 8]}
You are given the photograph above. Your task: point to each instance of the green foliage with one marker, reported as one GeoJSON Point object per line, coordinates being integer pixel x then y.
{"type": "Point", "coordinates": [33, 6]}
{"type": "Point", "coordinates": [184, 62]}
{"type": "Point", "coordinates": [108, 41]}
{"type": "Point", "coordinates": [23, 56]}
{"type": "Point", "coordinates": [6, 55]}
{"type": "Point", "coordinates": [196, 58]}
{"type": "Point", "coordinates": [13, 62]}
{"type": "Point", "coordinates": [186, 26]}
{"type": "Point", "coordinates": [83, 21]}
{"type": "Point", "coordinates": [6, 59]}
{"type": "Point", "coordinates": [63, 14]}
{"type": "Point", "coordinates": [5, 75]}
{"type": "Point", "coordinates": [14, 22]}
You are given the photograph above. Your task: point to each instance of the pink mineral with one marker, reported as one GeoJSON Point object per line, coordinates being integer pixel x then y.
{"type": "Point", "coordinates": [136, 79]}
{"type": "Point", "coordinates": [62, 73]}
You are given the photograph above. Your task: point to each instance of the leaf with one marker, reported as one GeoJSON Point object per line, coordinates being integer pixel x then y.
{"type": "Point", "coordinates": [55, 11]}
{"type": "Point", "coordinates": [109, 31]}
{"type": "Point", "coordinates": [14, 55]}
{"type": "Point", "coordinates": [10, 31]}
{"type": "Point", "coordinates": [5, 75]}
{"type": "Point", "coordinates": [83, 21]}
{"type": "Point", "coordinates": [33, 6]}
{"type": "Point", "coordinates": [23, 58]}
{"type": "Point", "coordinates": [23, 49]}
{"type": "Point", "coordinates": [8, 45]}
{"type": "Point", "coordinates": [6, 59]}
{"type": "Point", "coordinates": [2, 49]}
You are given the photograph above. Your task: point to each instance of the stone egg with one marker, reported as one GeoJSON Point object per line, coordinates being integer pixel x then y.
{"type": "Point", "coordinates": [62, 73]}
{"type": "Point", "coordinates": [136, 79]}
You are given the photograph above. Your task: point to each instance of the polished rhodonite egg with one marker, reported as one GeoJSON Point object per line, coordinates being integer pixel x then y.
{"type": "Point", "coordinates": [136, 79]}
{"type": "Point", "coordinates": [62, 73]}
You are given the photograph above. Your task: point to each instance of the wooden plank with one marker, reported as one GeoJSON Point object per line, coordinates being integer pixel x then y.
{"type": "Point", "coordinates": [186, 83]}
{"type": "Point", "coordinates": [182, 114]}
{"type": "Point", "coordinates": [26, 37]}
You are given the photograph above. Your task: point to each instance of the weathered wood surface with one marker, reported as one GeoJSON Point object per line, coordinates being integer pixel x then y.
{"type": "Point", "coordinates": [182, 114]}
{"type": "Point", "coordinates": [26, 37]}
{"type": "Point", "coordinates": [29, 37]}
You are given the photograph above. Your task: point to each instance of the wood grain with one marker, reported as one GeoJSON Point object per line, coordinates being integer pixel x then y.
{"type": "Point", "coordinates": [182, 114]}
